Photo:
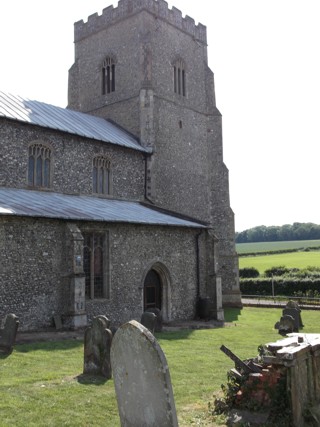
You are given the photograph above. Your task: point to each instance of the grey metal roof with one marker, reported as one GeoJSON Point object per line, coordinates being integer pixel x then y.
{"type": "Point", "coordinates": [86, 208]}
{"type": "Point", "coordinates": [73, 122]}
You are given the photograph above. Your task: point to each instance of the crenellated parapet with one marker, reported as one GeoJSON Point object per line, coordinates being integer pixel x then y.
{"type": "Point", "coordinates": [126, 8]}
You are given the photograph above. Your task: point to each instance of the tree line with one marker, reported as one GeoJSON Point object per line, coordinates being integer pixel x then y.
{"type": "Point", "coordinates": [274, 233]}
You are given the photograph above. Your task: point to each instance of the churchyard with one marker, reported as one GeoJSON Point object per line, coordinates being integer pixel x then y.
{"type": "Point", "coordinates": [42, 384]}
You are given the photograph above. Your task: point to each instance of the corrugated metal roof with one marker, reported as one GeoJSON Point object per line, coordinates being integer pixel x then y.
{"type": "Point", "coordinates": [61, 206]}
{"type": "Point", "coordinates": [73, 122]}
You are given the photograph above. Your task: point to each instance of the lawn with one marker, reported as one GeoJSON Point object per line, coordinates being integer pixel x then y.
{"type": "Point", "coordinates": [290, 260]}
{"type": "Point", "coordinates": [42, 384]}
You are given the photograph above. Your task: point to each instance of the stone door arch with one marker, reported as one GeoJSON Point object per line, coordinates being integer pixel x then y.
{"type": "Point", "coordinates": [156, 289]}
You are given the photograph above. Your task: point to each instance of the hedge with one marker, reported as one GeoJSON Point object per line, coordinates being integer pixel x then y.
{"type": "Point", "coordinates": [282, 286]}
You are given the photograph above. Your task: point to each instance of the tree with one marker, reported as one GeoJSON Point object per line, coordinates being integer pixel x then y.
{"type": "Point", "coordinates": [296, 231]}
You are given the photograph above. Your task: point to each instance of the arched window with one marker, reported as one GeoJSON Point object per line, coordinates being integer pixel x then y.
{"type": "Point", "coordinates": [39, 165]}
{"type": "Point", "coordinates": [179, 77]}
{"type": "Point", "coordinates": [108, 76]}
{"type": "Point", "coordinates": [95, 265]}
{"type": "Point", "coordinates": [101, 175]}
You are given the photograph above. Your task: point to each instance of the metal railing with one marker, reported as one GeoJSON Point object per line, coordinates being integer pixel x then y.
{"type": "Point", "coordinates": [303, 301]}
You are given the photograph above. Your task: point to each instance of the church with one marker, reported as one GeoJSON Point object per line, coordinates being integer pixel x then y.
{"type": "Point", "coordinates": [119, 203]}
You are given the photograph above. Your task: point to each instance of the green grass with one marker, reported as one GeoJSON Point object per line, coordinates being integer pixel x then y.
{"type": "Point", "coordinates": [243, 248]}
{"type": "Point", "coordinates": [290, 260]}
{"type": "Point", "coordinates": [42, 384]}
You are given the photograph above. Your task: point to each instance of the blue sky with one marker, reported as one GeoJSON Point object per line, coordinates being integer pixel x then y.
{"type": "Point", "coordinates": [265, 56]}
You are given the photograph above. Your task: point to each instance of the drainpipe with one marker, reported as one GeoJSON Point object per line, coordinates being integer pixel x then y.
{"type": "Point", "coordinates": [198, 265]}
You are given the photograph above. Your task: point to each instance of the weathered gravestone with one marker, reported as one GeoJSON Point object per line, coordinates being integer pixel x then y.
{"type": "Point", "coordinates": [285, 325]}
{"type": "Point", "coordinates": [148, 320]}
{"type": "Point", "coordinates": [97, 345]}
{"type": "Point", "coordinates": [8, 333]}
{"type": "Point", "coordinates": [141, 378]}
{"type": "Point", "coordinates": [294, 304]}
{"type": "Point", "coordinates": [157, 312]}
{"type": "Point", "coordinates": [295, 314]}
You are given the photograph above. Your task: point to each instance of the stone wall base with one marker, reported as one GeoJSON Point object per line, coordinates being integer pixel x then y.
{"type": "Point", "coordinates": [232, 299]}
{"type": "Point", "coordinates": [75, 321]}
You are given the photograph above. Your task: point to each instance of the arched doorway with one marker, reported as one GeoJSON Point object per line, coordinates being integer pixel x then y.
{"type": "Point", "coordinates": [152, 293]}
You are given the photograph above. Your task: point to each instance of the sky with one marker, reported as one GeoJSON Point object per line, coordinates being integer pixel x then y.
{"type": "Point", "coordinates": [265, 58]}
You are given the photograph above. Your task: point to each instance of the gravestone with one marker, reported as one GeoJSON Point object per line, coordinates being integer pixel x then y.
{"type": "Point", "coordinates": [294, 304]}
{"type": "Point", "coordinates": [148, 320]}
{"type": "Point", "coordinates": [97, 345]}
{"type": "Point", "coordinates": [8, 333]}
{"type": "Point", "coordinates": [58, 322]}
{"type": "Point", "coordinates": [141, 378]}
{"type": "Point", "coordinates": [295, 314]}
{"type": "Point", "coordinates": [157, 312]}
{"type": "Point", "coordinates": [285, 325]}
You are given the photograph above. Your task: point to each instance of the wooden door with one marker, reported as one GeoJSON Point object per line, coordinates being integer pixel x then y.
{"type": "Point", "coordinates": [152, 290]}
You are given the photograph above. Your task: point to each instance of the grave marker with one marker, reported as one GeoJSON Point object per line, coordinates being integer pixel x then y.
{"type": "Point", "coordinates": [8, 333]}
{"type": "Point", "coordinates": [142, 379]}
{"type": "Point", "coordinates": [97, 345]}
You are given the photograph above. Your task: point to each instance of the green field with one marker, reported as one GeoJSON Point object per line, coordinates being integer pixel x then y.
{"type": "Point", "coordinates": [243, 248]}
{"type": "Point", "coordinates": [290, 260]}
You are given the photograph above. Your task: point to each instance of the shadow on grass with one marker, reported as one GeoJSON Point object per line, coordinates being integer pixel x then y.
{"type": "Point", "coordinates": [87, 379]}
{"type": "Point", "coordinates": [4, 355]}
{"type": "Point", "coordinates": [48, 346]}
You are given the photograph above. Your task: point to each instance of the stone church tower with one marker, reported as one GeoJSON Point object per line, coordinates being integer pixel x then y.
{"type": "Point", "coordinates": [144, 66]}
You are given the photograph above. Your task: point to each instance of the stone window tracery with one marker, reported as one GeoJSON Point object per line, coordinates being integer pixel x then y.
{"type": "Point", "coordinates": [101, 175]}
{"type": "Point", "coordinates": [108, 75]}
{"type": "Point", "coordinates": [39, 165]}
{"type": "Point", "coordinates": [179, 77]}
{"type": "Point", "coordinates": [95, 265]}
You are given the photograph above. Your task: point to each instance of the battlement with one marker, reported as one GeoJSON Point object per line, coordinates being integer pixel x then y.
{"type": "Point", "coordinates": [126, 8]}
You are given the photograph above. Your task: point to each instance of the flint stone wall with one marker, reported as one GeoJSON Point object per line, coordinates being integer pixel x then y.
{"type": "Point", "coordinates": [71, 162]}
{"type": "Point", "coordinates": [36, 269]}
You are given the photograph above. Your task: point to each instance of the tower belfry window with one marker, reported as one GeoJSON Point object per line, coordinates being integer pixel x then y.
{"type": "Point", "coordinates": [108, 76]}
{"type": "Point", "coordinates": [179, 78]}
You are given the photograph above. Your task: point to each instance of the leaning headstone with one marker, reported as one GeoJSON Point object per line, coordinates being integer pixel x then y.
{"type": "Point", "coordinates": [294, 304]}
{"type": "Point", "coordinates": [141, 378]}
{"type": "Point", "coordinates": [97, 345]}
{"type": "Point", "coordinates": [8, 333]}
{"type": "Point", "coordinates": [286, 325]}
{"type": "Point", "coordinates": [148, 320]}
{"type": "Point", "coordinates": [295, 313]}
{"type": "Point", "coordinates": [157, 312]}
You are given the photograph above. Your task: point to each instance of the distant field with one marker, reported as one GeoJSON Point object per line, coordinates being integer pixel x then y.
{"type": "Point", "coordinates": [243, 248]}
{"type": "Point", "coordinates": [289, 260]}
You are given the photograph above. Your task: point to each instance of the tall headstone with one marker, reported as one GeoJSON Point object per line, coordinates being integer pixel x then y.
{"type": "Point", "coordinates": [149, 321]}
{"type": "Point", "coordinates": [8, 333]}
{"type": "Point", "coordinates": [157, 312]}
{"type": "Point", "coordinates": [97, 345]}
{"type": "Point", "coordinates": [294, 304]}
{"type": "Point", "coordinates": [285, 325]}
{"type": "Point", "coordinates": [295, 313]}
{"type": "Point", "coordinates": [142, 379]}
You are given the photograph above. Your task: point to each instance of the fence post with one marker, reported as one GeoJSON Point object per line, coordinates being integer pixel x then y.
{"type": "Point", "coordinates": [272, 287]}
